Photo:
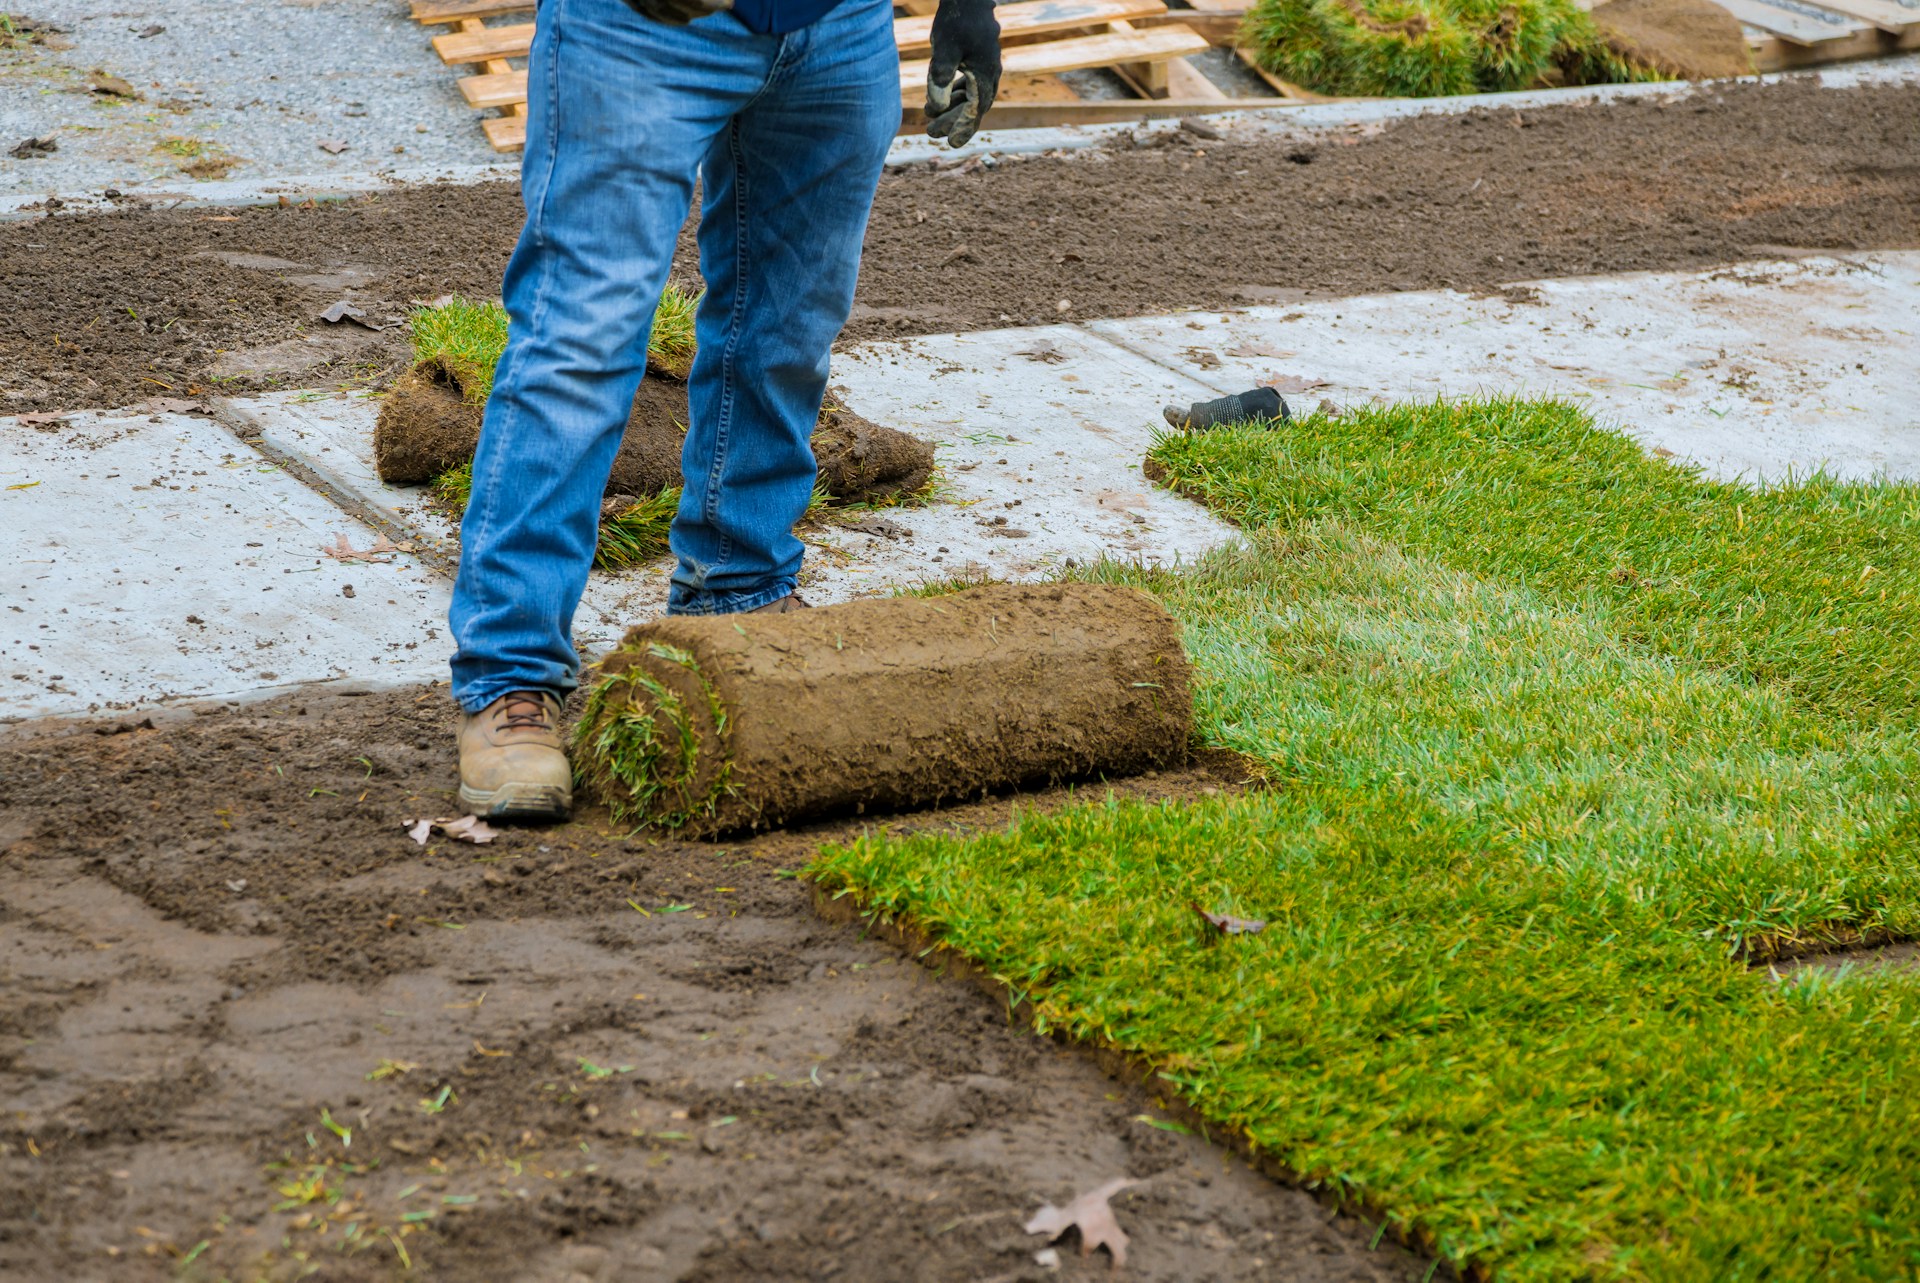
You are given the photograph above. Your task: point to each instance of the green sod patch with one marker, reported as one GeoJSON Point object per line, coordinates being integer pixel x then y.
{"type": "Point", "coordinates": [1433, 48]}
{"type": "Point", "coordinates": [1524, 834]}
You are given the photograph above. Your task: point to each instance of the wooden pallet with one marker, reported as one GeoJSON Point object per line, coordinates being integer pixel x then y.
{"type": "Point", "coordinates": [1142, 41]}
{"type": "Point", "coordinates": [1042, 38]}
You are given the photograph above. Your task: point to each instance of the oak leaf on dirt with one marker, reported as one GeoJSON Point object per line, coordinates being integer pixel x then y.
{"type": "Point", "coordinates": [1228, 925]}
{"type": "Point", "coordinates": [1091, 1215]}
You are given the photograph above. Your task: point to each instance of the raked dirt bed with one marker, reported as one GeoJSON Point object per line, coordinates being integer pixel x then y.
{"type": "Point", "coordinates": [107, 310]}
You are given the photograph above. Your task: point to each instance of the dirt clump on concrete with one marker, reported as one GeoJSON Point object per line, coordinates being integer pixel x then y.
{"type": "Point", "coordinates": [862, 461]}
{"type": "Point", "coordinates": [99, 307]}
{"type": "Point", "coordinates": [718, 725]}
{"type": "Point", "coordinates": [427, 427]}
{"type": "Point", "coordinates": [573, 1052]}
{"type": "Point", "coordinates": [1687, 39]}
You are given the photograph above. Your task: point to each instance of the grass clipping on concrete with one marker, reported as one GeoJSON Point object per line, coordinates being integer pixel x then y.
{"type": "Point", "coordinates": [1562, 739]}
{"type": "Point", "coordinates": [1434, 48]}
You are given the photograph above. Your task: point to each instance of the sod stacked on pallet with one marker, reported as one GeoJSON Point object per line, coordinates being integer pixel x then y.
{"type": "Point", "coordinates": [429, 425]}
{"type": "Point", "coordinates": [1564, 743]}
{"type": "Point", "coordinates": [1432, 48]}
{"type": "Point", "coordinates": [713, 725]}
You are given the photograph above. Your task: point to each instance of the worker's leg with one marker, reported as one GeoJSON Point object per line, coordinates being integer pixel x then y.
{"type": "Point", "coordinates": [621, 109]}
{"type": "Point", "coordinates": [786, 192]}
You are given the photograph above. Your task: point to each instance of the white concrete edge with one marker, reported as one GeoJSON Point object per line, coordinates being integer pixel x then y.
{"type": "Point", "coordinates": [1244, 126]}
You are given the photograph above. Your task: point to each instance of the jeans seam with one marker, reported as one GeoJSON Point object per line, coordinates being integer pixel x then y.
{"type": "Point", "coordinates": [710, 510]}
{"type": "Point", "coordinates": [490, 484]}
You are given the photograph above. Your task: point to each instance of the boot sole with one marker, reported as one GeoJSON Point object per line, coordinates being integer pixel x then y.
{"type": "Point", "coordinates": [518, 802]}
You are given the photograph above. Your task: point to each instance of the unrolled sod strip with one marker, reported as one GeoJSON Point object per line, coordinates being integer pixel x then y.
{"type": "Point", "coordinates": [716, 724]}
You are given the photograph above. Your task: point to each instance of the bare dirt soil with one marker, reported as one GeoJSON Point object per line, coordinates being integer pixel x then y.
{"type": "Point", "coordinates": [107, 310]}
{"type": "Point", "coordinates": [571, 1054]}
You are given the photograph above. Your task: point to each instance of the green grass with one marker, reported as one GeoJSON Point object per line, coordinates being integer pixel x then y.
{"type": "Point", "coordinates": [1524, 832]}
{"type": "Point", "coordinates": [1814, 586]}
{"type": "Point", "coordinates": [467, 337]}
{"type": "Point", "coordinates": [1432, 48]}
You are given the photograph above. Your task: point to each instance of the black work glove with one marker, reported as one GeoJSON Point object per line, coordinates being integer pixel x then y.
{"type": "Point", "coordinates": [678, 13]}
{"type": "Point", "coordinates": [965, 72]}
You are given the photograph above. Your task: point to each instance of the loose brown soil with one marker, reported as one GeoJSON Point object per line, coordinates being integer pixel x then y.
{"type": "Point", "coordinates": [570, 1054]}
{"type": "Point", "coordinates": [887, 703]}
{"type": "Point", "coordinates": [101, 309]}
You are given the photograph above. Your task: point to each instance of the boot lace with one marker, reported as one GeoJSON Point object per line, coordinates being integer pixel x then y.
{"type": "Point", "coordinates": [525, 711]}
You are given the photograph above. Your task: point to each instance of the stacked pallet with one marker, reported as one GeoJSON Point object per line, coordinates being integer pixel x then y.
{"type": "Point", "coordinates": [1041, 39]}
{"type": "Point", "coordinates": [1142, 41]}
{"type": "Point", "coordinates": [1785, 34]}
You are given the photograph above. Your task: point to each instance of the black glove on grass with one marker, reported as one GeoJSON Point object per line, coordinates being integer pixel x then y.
{"type": "Point", "coordinates": [1256, 406]}
{"type": "Point", "coordinates": [965, 73]}
{"type": "Point", "coordinates": [678, 13]}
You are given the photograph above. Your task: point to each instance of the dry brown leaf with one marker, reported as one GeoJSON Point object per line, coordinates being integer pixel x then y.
{"type": "Point", "coordinates": [1091, 1215]}
{"type": "Point", "coordinates": [1043, 352]}
{"type": "Point", "coordinates": [1228, 925]}
{"type": "Point", "coordinates": [1293, 383]}
{"type": "Point", "coordinates": [1258, 349]}
{"type": "Point", "coordinates": [114, 86]}
{"type": "Point", "coordinates": [45, 419]}
{"type": "Point", "coordinates": [175, 405]}
{"type": "Point", "coordinates": [468, 828]}
{"type": "Point", "coordinates": [380, 554]}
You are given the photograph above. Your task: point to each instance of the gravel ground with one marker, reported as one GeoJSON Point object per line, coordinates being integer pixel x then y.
{"type": "Point", "coordinates": [237, 90]}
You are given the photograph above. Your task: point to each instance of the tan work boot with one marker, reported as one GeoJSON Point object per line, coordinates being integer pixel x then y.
{"type": "Point", "coordinates": [512, 763]}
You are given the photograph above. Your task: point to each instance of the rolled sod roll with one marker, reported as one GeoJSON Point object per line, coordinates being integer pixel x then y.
{"type": "Point", "coordinates": [427, 427]}
{"type": "Point", "coordinates": [712, 725]}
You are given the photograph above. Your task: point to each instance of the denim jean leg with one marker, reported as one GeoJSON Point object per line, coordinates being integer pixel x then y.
{"type": "Point", "coordinates": [786, 191]}
{"type": "Point", "coordinates": [620, 111]}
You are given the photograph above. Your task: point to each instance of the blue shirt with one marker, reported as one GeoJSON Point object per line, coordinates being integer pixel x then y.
{"type": "Point", "coordinates": [777, 17]}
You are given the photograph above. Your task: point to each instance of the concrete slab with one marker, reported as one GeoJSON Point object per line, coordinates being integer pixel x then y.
{"type": "Point", "coordinates": [157, 559]}
{"type": "Point", "coordinates": [1758, 370]}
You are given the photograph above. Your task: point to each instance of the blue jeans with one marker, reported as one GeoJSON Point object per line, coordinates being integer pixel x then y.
{"type": "Point", "coordinates": [787, 135]}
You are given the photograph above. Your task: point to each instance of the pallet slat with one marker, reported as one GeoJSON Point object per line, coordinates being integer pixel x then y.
{"type": "Point", "coordinates": [433, 11]}
{"type": "Point", "coordinates": [484, 45]}
{"type": "Point", "coordinates": [1891, 17]}
{"type": "Point", "coordinates": [1154, 45]}
{"type": "Point", "coordinates": [495, 89]}
{"type": "Point", "coordinates": [1790, 25]}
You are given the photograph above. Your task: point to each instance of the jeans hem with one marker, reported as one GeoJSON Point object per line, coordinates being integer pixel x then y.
{"type": "Point", "coordinates": [475, 696]}
{"type": "Point", "coordinates": [728, 603]}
